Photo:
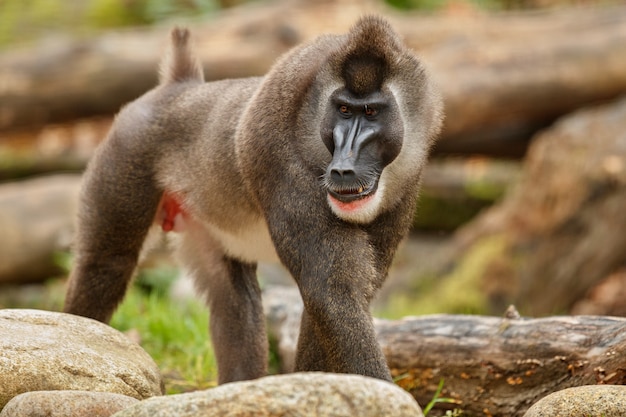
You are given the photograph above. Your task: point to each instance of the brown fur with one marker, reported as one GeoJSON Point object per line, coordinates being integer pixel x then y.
{"type": "Point", "coordinates": [245, 158]}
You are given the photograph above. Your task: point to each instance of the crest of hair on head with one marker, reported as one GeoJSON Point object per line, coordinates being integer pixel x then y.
{"type": "Point", "coordinates": [368, 55]}
{"type": "Point", "coordinates": [180, 64]}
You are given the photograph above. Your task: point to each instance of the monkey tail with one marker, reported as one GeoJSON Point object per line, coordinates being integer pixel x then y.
{"type": "Point", "coordinates": [180, 64]}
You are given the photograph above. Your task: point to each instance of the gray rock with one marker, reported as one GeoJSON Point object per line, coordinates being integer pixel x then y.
{"type": "Point", "coordinates": [66, 404]}
{"type": "Point", "coordinates": [584, 401]}
{"type": "Point", "coordinates": [41, 351]}
{"type": "Point", "coordinates": [293, 395]}
{"type": "Point", "coordinates": [283, 311]}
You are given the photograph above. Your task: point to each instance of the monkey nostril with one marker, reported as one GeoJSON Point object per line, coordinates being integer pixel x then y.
{"type": "Point", "coordinates": [342, 176]}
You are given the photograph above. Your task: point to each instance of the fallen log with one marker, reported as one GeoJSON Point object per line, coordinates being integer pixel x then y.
{"type": "Point", "coordinates": [61, 147]}
{"type": "Point", "coordinates": [37, 220]}
{"type": "Point", "coordinates": [499, 366]}
{"type": "Point", "coordinates": [490, 366]}
{"type": "Point", "coordinates": [502, 76]}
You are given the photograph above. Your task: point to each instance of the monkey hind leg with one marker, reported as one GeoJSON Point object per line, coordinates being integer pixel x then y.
{"type": "Point", "coordinates": [237, 323]}
{"type": "Point", "coordinates": [118, 203]}
{"type": "Point", "coordinates": [238, 326]}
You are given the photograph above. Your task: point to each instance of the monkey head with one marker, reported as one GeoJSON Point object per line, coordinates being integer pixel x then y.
{"type": "Point", "coordinates": [363, 136]}
{"type": "Point", "coordinates": [364, 127]}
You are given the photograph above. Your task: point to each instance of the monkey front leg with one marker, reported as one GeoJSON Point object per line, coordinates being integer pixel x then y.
{"type": "Point", "coordinates": [333, 263]}
{"type": "Point", "coordinates": [337, 335]}
{"type": "Point", "coordinates": [310, 354]}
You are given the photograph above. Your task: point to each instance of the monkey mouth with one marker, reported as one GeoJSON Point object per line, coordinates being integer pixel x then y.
{"type": "Point", "coordinates": [351, 194]}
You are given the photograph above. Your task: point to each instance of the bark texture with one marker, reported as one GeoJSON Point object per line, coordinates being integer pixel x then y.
{"type": "Point", "coordinates": [501, 366]}
{"type": "Point", "coordinates": [558, 233]}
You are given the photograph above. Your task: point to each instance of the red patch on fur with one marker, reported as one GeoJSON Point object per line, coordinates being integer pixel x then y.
{"type": "Point", "coordinates": [170, 208]}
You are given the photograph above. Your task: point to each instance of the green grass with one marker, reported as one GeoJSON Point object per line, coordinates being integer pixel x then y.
{"type": "Point", "coordinates": [174, 333]}
{"type": "Point", "coordinates": [437, 398]}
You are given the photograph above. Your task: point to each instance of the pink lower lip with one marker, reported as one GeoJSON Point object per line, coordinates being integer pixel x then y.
{"type": "Point", "coordinates": [351, 206]}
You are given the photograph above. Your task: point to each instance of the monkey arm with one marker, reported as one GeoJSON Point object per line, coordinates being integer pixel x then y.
{"type": "Point", "coordinates": [337, 279]}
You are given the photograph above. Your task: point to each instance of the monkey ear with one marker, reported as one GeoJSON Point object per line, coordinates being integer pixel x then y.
{"type": "Point", "coordinates": [367, 55]}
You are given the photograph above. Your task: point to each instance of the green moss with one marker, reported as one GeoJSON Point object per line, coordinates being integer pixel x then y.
{"type": "Point", "coordinates": [15, 162]}
{"type": "Point", "coordinates": [485, 190]}
{"type": "Point", "coordinates": [431, 5]}
{"type": "Point", "coordinates": [115, 13]}
{"type": "Point", "coordinates": [441, 210]}
{"type": "Point", "coordinates": [435, 212]}
{"type": "Point", "coordinates": [460, 292]}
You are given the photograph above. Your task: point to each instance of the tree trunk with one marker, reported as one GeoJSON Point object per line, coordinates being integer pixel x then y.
{"type": "Point", "coordinates": [556, 234]}
{"type": "Point", "coordinates": [62, 147]}
{"type": "Point", "coordinates": [502, 76]}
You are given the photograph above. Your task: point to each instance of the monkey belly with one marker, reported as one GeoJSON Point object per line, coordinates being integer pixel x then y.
{"type": "Point", "coordinates": [251, 243]}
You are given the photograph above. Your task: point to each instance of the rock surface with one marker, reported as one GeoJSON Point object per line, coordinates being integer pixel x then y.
{"type": "Point", "coordinates": [294, 395]}
{"type": "Point", "coordinates": [585, 401]}
{"type": "Point", "coordinates": [66, 404]}
{"type": "Point", "coordinates": [283, 311]}
{"type": "Point", "coordinates": [42, 351]}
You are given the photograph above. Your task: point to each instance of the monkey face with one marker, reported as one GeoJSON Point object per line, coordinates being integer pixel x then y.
{"type": "Point", "coordinates": [364, 135]}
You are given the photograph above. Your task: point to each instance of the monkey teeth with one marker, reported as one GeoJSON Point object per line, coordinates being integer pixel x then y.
{"type": "Point", "coordinates": [350, 191]}
{"type": "Point", "coordinates": [347, 195]}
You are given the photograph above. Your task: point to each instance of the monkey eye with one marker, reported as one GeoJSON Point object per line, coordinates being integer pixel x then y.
{"type": "Point", "coordinates": [370, 112]}
{"type": "Point", "coordinates": [344, 110]}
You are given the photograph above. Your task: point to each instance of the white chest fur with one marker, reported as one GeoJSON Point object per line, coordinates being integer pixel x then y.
{"type": "Point", "coordinates": [252, 243]}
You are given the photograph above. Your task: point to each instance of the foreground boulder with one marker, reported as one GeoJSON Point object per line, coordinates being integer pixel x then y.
{"type": "Point", "coordinates": [42, 350]}
{"type": "Point", "coordinates": [590, 400]}
{"type": "Point", "coordinates": [295, 395]}
{"type": "Point", "coordinates": [66, 404]}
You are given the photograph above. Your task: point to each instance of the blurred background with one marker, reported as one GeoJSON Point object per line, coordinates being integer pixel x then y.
{"type": "Point", "coordinates": [523, 202]}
